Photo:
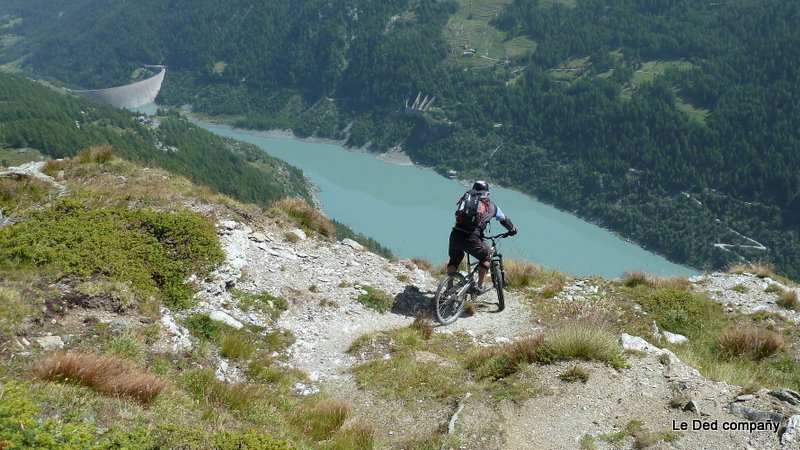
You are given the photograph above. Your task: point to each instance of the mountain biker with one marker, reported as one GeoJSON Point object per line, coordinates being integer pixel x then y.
{"type": "Point", "coordinates": [468, 238]}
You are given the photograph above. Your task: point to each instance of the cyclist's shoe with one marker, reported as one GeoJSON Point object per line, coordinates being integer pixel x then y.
{"type": "Point", "coordinates": [480, 290]}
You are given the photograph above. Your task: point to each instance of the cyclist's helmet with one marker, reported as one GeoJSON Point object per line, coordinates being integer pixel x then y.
{"type": "Point", "coordinates": [481, 185]}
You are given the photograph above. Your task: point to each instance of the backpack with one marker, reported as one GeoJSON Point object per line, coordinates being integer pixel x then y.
{"type": "Point", "coordinates": [472, 209]}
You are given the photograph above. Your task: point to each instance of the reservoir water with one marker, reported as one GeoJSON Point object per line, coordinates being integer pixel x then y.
{"type": "Point", "coordinates": [410, 210]}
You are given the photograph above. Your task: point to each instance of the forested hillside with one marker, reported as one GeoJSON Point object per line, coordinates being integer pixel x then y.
{"type": "Point", "coordinates": [672, 122]}
{"type": "Point", "coordinates": [33, 116]}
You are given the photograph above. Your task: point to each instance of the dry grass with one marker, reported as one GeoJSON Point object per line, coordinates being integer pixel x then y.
{"type": "Point", "coordinates": [520, 274]}
{"type": "Point", "coordinates": [308, 218]}
{"type": "Point", "coordinates": [750, 342]}
{"type": "Point", "coordinates": [583, 340]}
{"type": "Point", "coordinates": [638, 278]}
{"type": "Point", "coordinates": [501, 361]}
{"type": "Point", "coordinates": [357, 435]}
{"type": "Point", "coordinates": [109, 375]}
{"type": "Point", "coordinates": [422, 264]}
{"type": "Point", "coordinates": [788, 300]}
{"type": "Point", "coordinates": [424, 325]}
{"type": "Point", "coordinates": [320, 421]}
{"type": "Point", "coordinates": [760, 269]}
{"type": "Point", "coordinates": [98, 154]}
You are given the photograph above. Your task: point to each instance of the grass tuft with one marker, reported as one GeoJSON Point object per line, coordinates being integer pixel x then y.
{"type": "Point", "coordinates": [14, 309]}
{"type": "Point", "coordinates": [583, 340]}
{"type": "Point", "coordinates": [109, 375]}
{"type": "Point", "coordinates": [501, 361]}
{"type": "Point", "coordinates": [423, 325]}
{"type": "Point", "coordinates": [520, 274]}
{"type": "Point", "coordinates": [308, 218]}
{"type": "Point", "coordinates": [636, 278]}
{"type": "Point", "coordinates": [788, 300]}
{"type": "Point", "coordinates": [750, 342]}
{"type": "Point", "coordinates": [98, 154]}
{"type": "Point", "coordinates": [358, 435]}
{"type": "Point", "coordinates": [758, 268]}
{"type": "Point", "coordinates": [575, 373]}
{"type": "Point", "coordinates": [322, 420]}
{"type": "Point", "coordinates": [422, 264]}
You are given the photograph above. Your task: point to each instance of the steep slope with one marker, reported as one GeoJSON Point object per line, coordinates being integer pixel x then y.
{"type": "Point", "coordinates": [284, 345]}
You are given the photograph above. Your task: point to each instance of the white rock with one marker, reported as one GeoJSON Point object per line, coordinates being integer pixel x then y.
{"type": "Point", "coordinates": [300, 234]}
{"type": "Point", "coordinates": [179, 335]}
{"type": "Point", "coordinates": [225, 318]}
{"type": "Point", "coordinates": [352, 244]}
{"type": "Point", "coordinates": [258, 236]}
{"type": "Point", "coordinates": [228, 224]}
{"type": "Point", "coordinates": [674, 338]}
{"type": "Point", "coordinates": [304, 389]}
{"type": "Point", "coordinates": [792, 432]}
{"type": "Point", "coordinates": [636, 343]}
{"type": "Point", "coordinates": [49, 343]}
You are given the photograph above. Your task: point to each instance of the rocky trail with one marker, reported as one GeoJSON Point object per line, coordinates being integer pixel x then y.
{"type": "Point", "coordinates": [324, 278]}
{"type": "Point", "coordinates": [657, 402]}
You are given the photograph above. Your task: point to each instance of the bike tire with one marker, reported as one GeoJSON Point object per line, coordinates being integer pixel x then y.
{"type": "Point", "coordinates": [450, 302]}
{"type": "Point", "coordinates": [499, 285]}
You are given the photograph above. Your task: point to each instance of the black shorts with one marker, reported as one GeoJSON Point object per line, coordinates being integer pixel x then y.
{"type": "Point", "coordinates": [462, 241]}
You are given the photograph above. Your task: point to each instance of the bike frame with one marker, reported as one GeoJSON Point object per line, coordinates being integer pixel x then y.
{"type": "Point", "coordinates": [495, 257]}
{"type": "Point", "coordinates": [449, 304]}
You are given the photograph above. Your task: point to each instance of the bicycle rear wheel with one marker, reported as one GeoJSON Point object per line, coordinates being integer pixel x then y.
{"type": "Point", "coordinates": [451, 297]}
{"type": "Point", "coordinates": [499, 285]}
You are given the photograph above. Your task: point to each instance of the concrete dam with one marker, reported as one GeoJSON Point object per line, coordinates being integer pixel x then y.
{"type": "Point", "coordinates": [129, 96]}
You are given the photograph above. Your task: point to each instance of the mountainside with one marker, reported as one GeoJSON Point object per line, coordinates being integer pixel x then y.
{"type": "Point", "coordinates": [671, 122]}
{"type": "Point", "coordinates": [37, 119]}
{"type": "Point", "coordinates": [140, 311]}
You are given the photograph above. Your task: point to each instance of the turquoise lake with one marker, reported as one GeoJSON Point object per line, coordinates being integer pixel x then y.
{"type": "Point", "coordinates": [410, 210]}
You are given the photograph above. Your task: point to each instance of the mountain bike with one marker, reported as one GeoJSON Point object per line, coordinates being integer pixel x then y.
{"type": "Point", "coordinates": [456, 288]}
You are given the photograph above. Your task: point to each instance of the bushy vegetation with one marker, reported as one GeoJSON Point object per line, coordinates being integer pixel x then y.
{"type": "Point", "coordinates": [68, 238]}
{"type": "Point", "coordinates": [740, 349]}
{"type": "Point", "coordinates": [376, 299]}
{"type": "Point", "coordinates": [22, 426]}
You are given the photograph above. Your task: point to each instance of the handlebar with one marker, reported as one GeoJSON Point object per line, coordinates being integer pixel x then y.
{"type": "Point", "coordinates": [497, 236]}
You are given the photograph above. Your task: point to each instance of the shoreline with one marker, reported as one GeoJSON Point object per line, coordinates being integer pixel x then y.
{"type": "Point", "coordinates": [397, 156]}
{"type": "Point", "coordinates": [394, 155]}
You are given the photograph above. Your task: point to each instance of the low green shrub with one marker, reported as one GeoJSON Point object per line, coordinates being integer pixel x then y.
{"type": "Point", "coordinates": [153, 251]}
{"type": "Point", "coordinates": [680, 311]}
{"type": "Point", "coordinates": [375, 299]}
{"type": "Point", "coordinates": [263, 302]}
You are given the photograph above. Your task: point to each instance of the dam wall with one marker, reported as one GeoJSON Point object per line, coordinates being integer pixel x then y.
{"type": "Point", "coordinates": [131, 95]}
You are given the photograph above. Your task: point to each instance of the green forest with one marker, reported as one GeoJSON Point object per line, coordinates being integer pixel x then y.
{"type": "Point", "coordinates": [672, 122]}
{"type": "Point", "coordinates": [33, 116]}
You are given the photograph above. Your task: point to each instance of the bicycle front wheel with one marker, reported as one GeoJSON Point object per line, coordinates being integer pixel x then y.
{"type": "Point", "coordinates": [451, 297]}
{"type": "Point", "coordinates": [499, 285]}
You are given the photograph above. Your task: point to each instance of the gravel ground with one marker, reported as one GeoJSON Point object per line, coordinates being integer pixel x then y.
{"type": "Point", "coordinates": [323, 279]}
